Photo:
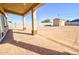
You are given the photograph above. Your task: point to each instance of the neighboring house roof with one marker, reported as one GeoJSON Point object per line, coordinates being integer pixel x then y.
{"type": "Point", "coordinates": [76, 20]}
{"type": "Point", "coordinates": [58, 19]}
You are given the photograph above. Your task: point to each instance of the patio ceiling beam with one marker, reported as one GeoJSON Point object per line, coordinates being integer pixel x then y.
{"type": "Point", "coordinates": [8, 11]}
{"type": "Point", "coordinates": [35, 6]}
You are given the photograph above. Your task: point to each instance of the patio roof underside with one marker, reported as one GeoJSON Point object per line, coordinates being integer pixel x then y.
{"type": "Point", "coordinates": [19, 8]}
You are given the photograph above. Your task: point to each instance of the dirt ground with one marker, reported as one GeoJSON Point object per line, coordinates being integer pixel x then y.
{"type": "Point", "coordinates": [48, 41]}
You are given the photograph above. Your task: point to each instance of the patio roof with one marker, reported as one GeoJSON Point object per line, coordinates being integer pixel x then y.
{"type": "Point", "coordinates": [19, 8]}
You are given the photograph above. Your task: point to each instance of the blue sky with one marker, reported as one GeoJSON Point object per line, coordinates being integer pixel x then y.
{"type": "Point", "coordinates": [67, 11]}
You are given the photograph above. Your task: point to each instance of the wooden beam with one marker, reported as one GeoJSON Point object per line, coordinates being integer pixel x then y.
{"type": "Point", "coordinates": [34, 5]}
{"type": "Point", "coordinates": [8, 11]}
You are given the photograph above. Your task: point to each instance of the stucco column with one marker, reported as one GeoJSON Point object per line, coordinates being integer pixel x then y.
{"type": "Point", "coordinates": [24, 23]}
{"type": "Point", "coordinates": [34, 22]}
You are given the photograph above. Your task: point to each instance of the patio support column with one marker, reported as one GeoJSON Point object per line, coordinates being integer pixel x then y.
{"type": "Point", "coordinates": [24, 23]}
{"type": "Point", "coordinates": [34, 23]}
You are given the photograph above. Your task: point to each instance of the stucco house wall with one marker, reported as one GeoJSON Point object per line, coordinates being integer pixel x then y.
{"type": "Point", "coordinates": [58, 22]}
{"type": "Point", "coordinates": [75, 23]}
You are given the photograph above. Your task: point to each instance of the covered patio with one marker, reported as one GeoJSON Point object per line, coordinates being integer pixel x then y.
{"type": "Point", "coordinates": [47, 42]}
{"type": "Point", "coordinates": [22, 9]}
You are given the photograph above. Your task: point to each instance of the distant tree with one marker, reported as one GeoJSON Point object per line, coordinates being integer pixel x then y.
{"type": "Point", "coordinates": [46, 21]}
{"type": "Point", "coordinates": [67, 21]}
{"type": "Point", "coordinates": [10, 21]}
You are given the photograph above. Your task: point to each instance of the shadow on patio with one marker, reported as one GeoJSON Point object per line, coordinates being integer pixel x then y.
{"type": "Point", "coordinates": [37, 49]}
{"type": "Point", "coordinates": [22, 33]}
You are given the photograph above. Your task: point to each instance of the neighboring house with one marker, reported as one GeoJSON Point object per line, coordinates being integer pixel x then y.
{"type": "Point", "coordinates": [75, 22]}
{"type": "Point", "coordinates": [67, 23]}
{"type": "Point", "coordinates": [58, 22]}
{"type": "Point", "coordinates": [3, 26]}
{"type": "Point", "coordinates": [46, 22]}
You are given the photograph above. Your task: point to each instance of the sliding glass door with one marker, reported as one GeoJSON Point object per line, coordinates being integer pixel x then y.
{"type": "Point", "coordinates": [1, 25]}
{"type": "Point", "coordinates": [0, 28]}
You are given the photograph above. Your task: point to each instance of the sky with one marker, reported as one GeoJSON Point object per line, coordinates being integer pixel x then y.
{"type": "Point", "coordinates": [67, 11]}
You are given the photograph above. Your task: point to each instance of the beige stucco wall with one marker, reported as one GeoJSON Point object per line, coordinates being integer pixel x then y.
{"type": "Point", "coordinates": [58, 22]}
{"type": "Point", "coordinates": [74, 23]}
{"type": "Point", "coordinates": [62, 23]}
